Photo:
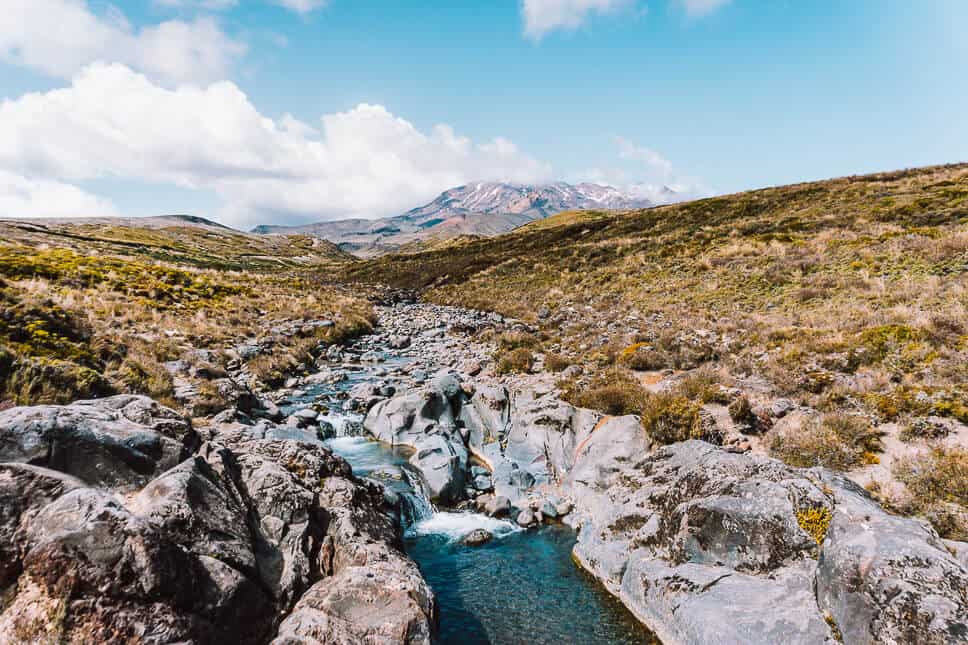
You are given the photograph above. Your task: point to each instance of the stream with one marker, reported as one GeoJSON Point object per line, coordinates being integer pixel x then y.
{"type": "Point", "coordinates": [521, 587]}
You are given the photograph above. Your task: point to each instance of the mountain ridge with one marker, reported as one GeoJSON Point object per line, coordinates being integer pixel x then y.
{"type": "Point", "coordinates": [475, 209]}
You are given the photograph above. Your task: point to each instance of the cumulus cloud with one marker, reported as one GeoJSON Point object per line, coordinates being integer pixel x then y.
{"type": "Point", "coordinates": [24, 197]}
{"type": "Point", "coordinates": [364, 162]}
{"type": "Point", "coordinates": [59, 37]}
{"type": "Point", "coordinates": [643, 172]}
{"type": "Point", "coordinates": [700, 8]}
{"type": "Point", "coordinates": [210, 5]}
{"type": "Point", "coordinates": [655, 162]}
{"type": "Point", "coordinates": [301, 6]}
{"type": "Point", "coordinates": [543, 16]}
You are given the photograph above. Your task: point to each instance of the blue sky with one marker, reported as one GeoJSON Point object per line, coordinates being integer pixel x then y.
{"type": "Point", "coordinates": [300, 110]}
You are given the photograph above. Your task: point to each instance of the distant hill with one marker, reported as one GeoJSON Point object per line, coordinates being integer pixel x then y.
{"type": "Point", "coordinates": [178, 239]}
{"type": "Point", "coordinates": [481, 209]}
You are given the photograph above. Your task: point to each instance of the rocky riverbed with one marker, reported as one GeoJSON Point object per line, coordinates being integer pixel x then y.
{"type": "Point", "coordinates": [121, 521]}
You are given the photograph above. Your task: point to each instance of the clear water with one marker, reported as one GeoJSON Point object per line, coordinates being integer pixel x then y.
{"type": "Point", "coordinates": [521, 587]}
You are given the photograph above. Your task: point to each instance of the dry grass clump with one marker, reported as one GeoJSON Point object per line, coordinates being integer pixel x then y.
{"type": "Point", "coordinates": [614, 392]}
{"type": "Point", "coordinates": [554, 362]}
{"type": "Point", "coordinates": [938, 483]}
{"type": "Point", "coordinates": [667, 417]}
{"type": "Point", "coordinates": [515, 361]}
{"type": "Point", "coordinates": [838, 441]}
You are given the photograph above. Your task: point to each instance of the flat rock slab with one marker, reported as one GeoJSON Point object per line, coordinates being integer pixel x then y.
{"type": "Point", "coordinates": [120, 442]}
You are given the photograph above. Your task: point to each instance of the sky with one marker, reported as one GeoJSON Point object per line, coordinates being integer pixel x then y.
{"type": "Point", "coordinates": [292, 111]}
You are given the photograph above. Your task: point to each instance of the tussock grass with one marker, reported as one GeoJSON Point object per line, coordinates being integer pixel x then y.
{"type": "Point", "coordinates": [77, 323]}
{"type": "Point", "coordinates": [835, 292]}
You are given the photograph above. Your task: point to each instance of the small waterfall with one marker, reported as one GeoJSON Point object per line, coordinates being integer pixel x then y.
{"type": "Point", "coordinates": [344, 424]}
{"type": "Point", "coordinates": [415, 504]}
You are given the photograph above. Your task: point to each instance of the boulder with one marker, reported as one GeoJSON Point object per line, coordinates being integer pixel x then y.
{"type": "Point", "coordinates": [477, 537]}
{"type": "Point", "coordinates": [525, 517]}
{"type": "Point", "coordinates": [707, 546]}
{"type": "Point", "coordinates": [399, 341]}
{"type": "Point", "coordinates": [381, 602]}
{"type": "Point", "coordinates": [442, 464]}
{"type": "Point", "coordinates": [120, 442]}
{"type": "Point", "coordinates": [498, 506]}
{"type": "Point", "coordinates": [888, 579]}
{"type": "Point", "coordinates": [118, 578]}
{"type": "Point", "coordinates": [24, 491]}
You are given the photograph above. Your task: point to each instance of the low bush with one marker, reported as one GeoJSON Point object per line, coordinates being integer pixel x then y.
{"type": "Point", "coordinates": [938, 483]}
{"type": "Point", "coordinates": [612, 392]}
{"type": "Point", "coordinates": [669, 417]}
{"type": "Point", "coordinates": [47, 380]}
{"type": "Point", "coordinates": [515, 361]}
{"type": "Point", "coordinates": [838, 441]}
{"type": "Point", "coordinates": [556, 362]}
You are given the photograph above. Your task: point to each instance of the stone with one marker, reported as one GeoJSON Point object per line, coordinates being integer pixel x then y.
{"type": "Point", "coordinates": [525, 518]}
{"type": "Point", "coordinates": [781, 407]}
{"type": "Point", "coordinates": [442, 465]}
{"type": "Point", "coordinates": [705, 545]}
{"type": "Point", "coordinates": [399, 341]}
{"type": "Point", "coordinates": [477, 537]}
{"type": "Point", "coordinates": [498, 506]}
{"type": "Point", "coordinates": [24, 491]}
{"type": "Point", "coordinates": [305, 417]}
{"type": "Point", "coordinates": [118, 442]}
{"type": "Point", "coordinates": [385, 601]}
{"type": "Point", "coordinates": [547, 509]}
{"type": "Point", "coordinates": [884, 578]}
{"type": "Point", "coordinates": [483, 483]}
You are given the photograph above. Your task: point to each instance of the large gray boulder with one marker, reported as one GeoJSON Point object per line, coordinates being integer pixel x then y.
{"type": "Point", "coordinates": [94, 572]}
{"type": "Point", "coordinates": [442, 462]}
{"type": "Point", "coordinates": [707, 546]}
{"type": "Point", "coordinates": [545, 432]}
{"type": "Point", "coordinates": [120, 442]}
{"type": "Point", "coordinates": [24, 491]}
{"type": "Point", "coordinates": [382, 602]}
{"type": "Point", "coordinates": [219, 548]}
{"type": "Point", "coordinates": [888, 579]}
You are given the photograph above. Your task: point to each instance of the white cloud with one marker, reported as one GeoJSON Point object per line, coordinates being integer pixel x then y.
{"type": "Point", "coordinates": [210, 5]}
{"type": "Point", "coordinates": [364, 162]}
{"type": "Point", "coordinates": [543, 16]}
{"type": "Point", "coordinates": [655, 162]}
{"type": "Point", "coordinates": [23, 197]}
{"type": "Point", "coordinates": [301, 6]}
{"type": "Point", "coordinates": [59, 37]}
{"type": "Point", "coordinates": [643, 172]}
{"type": "Point", "coordinates": [698, 8]}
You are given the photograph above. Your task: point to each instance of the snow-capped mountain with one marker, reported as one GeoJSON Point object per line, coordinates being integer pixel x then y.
{"type": "Point", "coordinates": [484, 208]}
{"type": "Point", "coordinates": [519, 199]}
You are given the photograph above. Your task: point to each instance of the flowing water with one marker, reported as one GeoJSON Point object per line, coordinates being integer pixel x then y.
{"type": "Point", "coordinates": [521, 587]}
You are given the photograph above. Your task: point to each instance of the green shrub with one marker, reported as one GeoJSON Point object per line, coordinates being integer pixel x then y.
{"type": "Point", "coordinates": [612, 392]}
{"type": "Point", "coordinates": [668, 417]}
{"type": "Point", "coordinates": [46, 380]}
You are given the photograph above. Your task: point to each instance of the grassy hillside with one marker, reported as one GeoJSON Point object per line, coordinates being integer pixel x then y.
{"type": "Point", "coordinates": [849, 296]}
{"type": "Point", "coordinates": [180, 241]}
{"type": "Point", "coordinates": [93, 309]}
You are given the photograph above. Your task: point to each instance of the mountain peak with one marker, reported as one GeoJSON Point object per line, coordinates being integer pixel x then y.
{"type": "Point", "coordinates": [478, 208]}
